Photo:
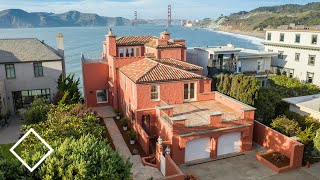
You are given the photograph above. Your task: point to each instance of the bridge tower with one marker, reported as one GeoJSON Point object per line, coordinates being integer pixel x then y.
{"type": "Point", "coordinates": [169, 16]}
{"type": "Point", "coordinates": [135, 18]}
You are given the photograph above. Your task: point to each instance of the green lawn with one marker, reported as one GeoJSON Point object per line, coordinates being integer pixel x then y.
{"type": "Point", "coordinates": [5, 150]}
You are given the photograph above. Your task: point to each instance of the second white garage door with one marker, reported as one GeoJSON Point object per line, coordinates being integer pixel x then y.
{"type": "Point", "coordinates": [229, 143]}
{"type": "Point", "coordinates": [197, 149]}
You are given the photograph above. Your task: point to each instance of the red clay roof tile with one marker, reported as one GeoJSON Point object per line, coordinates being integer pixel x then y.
{"type": "Point", "coordinates": [148, 70]}
{"type": "Point", "coordinates": [133, 40]}
{"type": "Point", "coordinates": [179, 64]}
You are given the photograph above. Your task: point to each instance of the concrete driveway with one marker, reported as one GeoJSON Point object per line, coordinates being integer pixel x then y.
{"type": "Point", "coordinates": [11, 133]}
{"type": "Point", "coordinates": [243, 166]}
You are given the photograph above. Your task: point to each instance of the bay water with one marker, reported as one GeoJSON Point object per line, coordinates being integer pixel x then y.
{"type": "Point", "coordinates": [88, 40]}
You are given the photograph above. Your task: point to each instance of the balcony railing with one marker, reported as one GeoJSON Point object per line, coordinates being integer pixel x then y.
{"type": "Point", "coordinates": [165, 117]}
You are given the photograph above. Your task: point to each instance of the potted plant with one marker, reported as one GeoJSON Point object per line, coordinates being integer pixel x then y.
{"type": "Point", "coordinates": [124, 122]}
{"type": "Point", "coordinates": [132, 135]}
{"type": "Point", "coordinates": [118, 113]}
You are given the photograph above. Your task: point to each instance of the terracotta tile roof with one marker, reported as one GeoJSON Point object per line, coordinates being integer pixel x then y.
{"type": "Point", "coordinates": [169, 44]}
{"type": "Point", "coordinates": [179, 64]}
{"type": "Point", "coordinates": [148, 70]}
{"type": "Point", "coordinates": [133, 40]}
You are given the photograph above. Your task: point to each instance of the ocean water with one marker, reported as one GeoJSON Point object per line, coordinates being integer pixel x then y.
{"type": "Point", "coordinates": [88, 40]}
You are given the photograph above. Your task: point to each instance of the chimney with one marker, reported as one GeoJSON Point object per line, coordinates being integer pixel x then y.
{"type": "Point", "coordinates": [60, 49]}
{"type": "Point", "coordinates": [165, 35]}
{"type": "Point", "coordinates": [111, 44]}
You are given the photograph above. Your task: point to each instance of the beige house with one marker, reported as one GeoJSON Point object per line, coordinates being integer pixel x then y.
{"type": "Point", "coordinates": [305, 105]}
{"type": "Point", "coordinates": [28, 68]}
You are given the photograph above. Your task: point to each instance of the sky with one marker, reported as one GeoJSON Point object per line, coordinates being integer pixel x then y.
{"type": "Point", "coordinates": [147, 9]}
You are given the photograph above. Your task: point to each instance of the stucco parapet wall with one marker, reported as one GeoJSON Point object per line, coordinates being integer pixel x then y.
{"type": "Point", "coordinates": [248, 109]}
{"type": "Point", "coordinates": [164, 107]}
{"type": "Point", "coordinates": [214, 130]}
{"type": "Point", "coordinates": [179, 118]}
{"type": "Point", "coordinates": [216, 114]}
{"type": "Point", "coordinates": [212, 92]}
{"type": "Point", "coordinates": [292, 46]}
{"type": "Point", "coordinates": [243, 104]}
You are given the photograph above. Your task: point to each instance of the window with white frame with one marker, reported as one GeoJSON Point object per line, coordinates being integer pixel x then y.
{"type": "Point", "coordinates": [291, 73]}
{"type": "Point", "coordinates": [10, 71]}
{"type": "Point", "coordinates": [280, 55]}
{"type": "Point", "coordinates": [297, 57]}
{"type": "Point", "coordinates": [121, 52]}
{"type": "Point", "coordinates": [312, 60]}
{"type": "Point", "coordinates": [102, 96]}
{"type": "Point", "coordinates": [155, 91]}
{"type": "Point", "coordinates": [269, 37]}
{"type": "Point", "coordinates": [310, 77]}
{"type": "Point", "coordinates": [314, 39]}
{"type": "Point", "coordinates": [282, 37]}
{"type": "Point", "coordinates": [298, 37]}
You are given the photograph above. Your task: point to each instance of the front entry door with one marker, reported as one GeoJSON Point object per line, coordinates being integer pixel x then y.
{"type": "Point", "coordinates": [189, 91]}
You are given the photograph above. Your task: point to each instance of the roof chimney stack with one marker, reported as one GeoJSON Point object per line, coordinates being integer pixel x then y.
{"type": "Point", "coordinates": [60, 49]}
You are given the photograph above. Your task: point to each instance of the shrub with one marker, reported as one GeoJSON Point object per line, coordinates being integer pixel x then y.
{"type": "Point", "coordinates": [316, 141]}
{"type": "Point", "coordinates": [124, 121]}
{"type": "Point", "coordinates": [306, 137]}
{"type": "Point", "coordinates": [37, 112]}
{"type": "Point", "coordinates": [81, 152]}
{"type": "Point", "coordinates": [132, 134]}
{"type": "Point", "coordinates": [85, 158]}
{"type": "Point", "coordinates": [286, 126]}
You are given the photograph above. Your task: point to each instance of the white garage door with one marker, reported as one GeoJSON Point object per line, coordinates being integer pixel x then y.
{"type": "Point", "coordinates": [197, 149]}
{"type": "Point", "coordinates": [229, 143]}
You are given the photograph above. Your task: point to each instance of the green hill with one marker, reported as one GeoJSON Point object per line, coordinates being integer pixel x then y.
{"type": "Point", "coordinates": [267, 17]}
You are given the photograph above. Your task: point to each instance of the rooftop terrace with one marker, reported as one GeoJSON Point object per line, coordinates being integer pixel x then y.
{"type": "Point", "coordinates": [198, 113]}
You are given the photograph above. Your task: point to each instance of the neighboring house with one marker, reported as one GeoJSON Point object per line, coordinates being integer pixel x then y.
{"type": "Point", "coordinates": [228, 59]}
{"type": "Point", "coordinates": [168, 98]}
{"type": "Point", "coordinates": [29, 68]}
{"type": "Point", "coordinates": [305, 105]}
{"type": "Point", "coordinates": [298, 49]}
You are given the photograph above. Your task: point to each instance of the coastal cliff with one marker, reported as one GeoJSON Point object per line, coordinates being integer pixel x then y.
{"type": "Point", "coordinates": [253, 22]}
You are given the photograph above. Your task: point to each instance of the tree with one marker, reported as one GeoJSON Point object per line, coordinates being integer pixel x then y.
{"type": "Point", "coordinates": [68, 90]}
{"type": "Point", "coordinates": [241, 87]}
{"type": "Point", "coordinates": [85, 158]}
{"type": "Point", "coordinates": [286, 126]}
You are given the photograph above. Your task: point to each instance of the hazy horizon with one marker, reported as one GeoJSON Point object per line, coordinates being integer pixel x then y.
{"type": "Point", "coordinates": [147, 9]}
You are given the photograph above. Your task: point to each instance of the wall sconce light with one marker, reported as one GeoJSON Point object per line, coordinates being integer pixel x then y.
{"type": "Point", "coordinates": [159, 140]}
{"type": "Point", "coordinates": [90, 91]}
{"type": "Point", "coordinates": [168, 150]}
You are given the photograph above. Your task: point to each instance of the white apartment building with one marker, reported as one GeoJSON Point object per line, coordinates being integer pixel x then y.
{"type": "Point", "coordinates": [28, 68]}
{"type": "Point", "coordinates": [298, 49]}
{"type": "Point", "coordinates": [229, 59]}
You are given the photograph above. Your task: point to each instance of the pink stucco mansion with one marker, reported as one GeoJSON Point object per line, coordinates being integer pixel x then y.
{"type": "Point", "coordinates": [149, 80]}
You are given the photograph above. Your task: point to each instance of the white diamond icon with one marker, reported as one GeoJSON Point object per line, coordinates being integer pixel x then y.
{"type": "Point", "coordinates": [31, 169]}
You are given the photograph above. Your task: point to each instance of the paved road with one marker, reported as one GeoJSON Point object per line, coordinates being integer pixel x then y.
{"type": "Point", "coordinates": [11, 133]}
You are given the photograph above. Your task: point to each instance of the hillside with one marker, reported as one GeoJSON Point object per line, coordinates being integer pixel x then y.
{"type": "Point", "coordinates": [253, 22]}
{"type": "Point", "coordinates": [17, 18]}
